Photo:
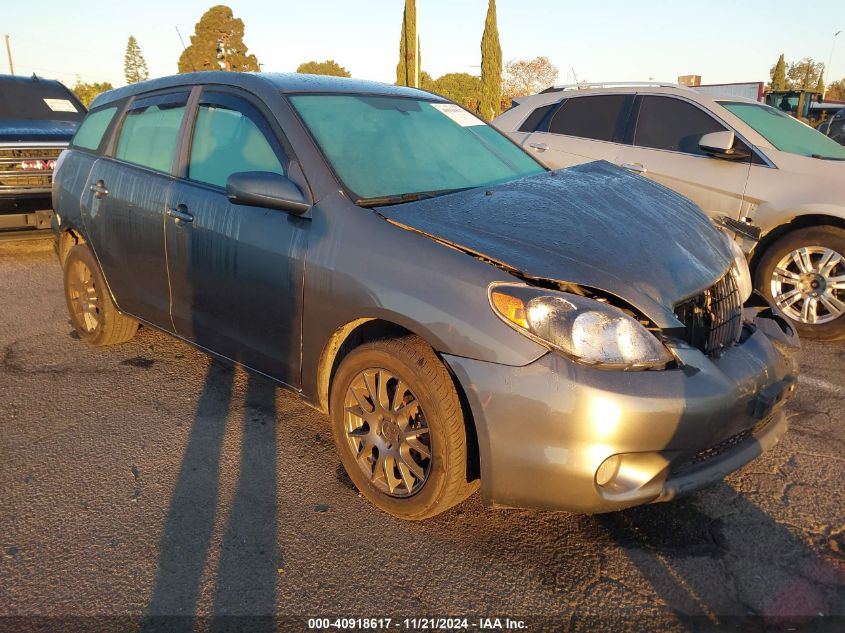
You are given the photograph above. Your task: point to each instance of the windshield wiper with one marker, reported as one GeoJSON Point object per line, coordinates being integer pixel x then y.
{"type": "Point", "coordinates": [384, 201]}
{"type": "Point", "coordinates": [819, 156]}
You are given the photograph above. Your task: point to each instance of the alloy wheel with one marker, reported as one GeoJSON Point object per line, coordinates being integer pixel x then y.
{"type": "Point", "coordinates": [387, 432]}
{"type": "Point", "coordinates": [808, 284]}
{"type": "Point", "coordinates": [84, 296]}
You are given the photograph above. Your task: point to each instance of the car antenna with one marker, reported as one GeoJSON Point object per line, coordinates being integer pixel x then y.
{"type": "Point", "coordinates": [185, 49]}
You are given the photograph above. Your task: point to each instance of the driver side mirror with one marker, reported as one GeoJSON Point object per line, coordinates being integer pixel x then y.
{"type": "Point", "coordinates": [266, 189]}
{"type": "Point", "coordinates": [721, 145]}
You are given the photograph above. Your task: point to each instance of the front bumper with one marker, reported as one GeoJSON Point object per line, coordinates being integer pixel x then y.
{"type": "Point", "coordinates": [545, 429]}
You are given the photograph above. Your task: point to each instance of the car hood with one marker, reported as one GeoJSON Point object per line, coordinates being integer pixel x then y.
{"type": "Point", "coordinates": [594, 225]}
{"type": "Point", "coordinates": [21, 131]}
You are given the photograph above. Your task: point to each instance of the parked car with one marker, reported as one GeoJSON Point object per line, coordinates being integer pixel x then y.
{"type": "Point", "coordinates": [734, 157]}
{"type": "Point", "coordinates": [572, 340]}
{"type": "Point", "coordinates": [834, 127]}
{"type": "Point", "coordinates": [37, 119]}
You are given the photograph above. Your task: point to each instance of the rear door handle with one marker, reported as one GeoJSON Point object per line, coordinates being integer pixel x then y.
{"type": "Point", "coordinates": [540, 147]}
{"type": "Point", "coordinates": [99, 189]}
{"type": "Point", "coordinates": [180, 214]}
{"type": "Point", "coordinates": [635, 167]}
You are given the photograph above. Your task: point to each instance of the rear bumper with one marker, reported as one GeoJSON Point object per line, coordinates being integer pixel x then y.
{"type": "Point", "coordinates": [545, 429]}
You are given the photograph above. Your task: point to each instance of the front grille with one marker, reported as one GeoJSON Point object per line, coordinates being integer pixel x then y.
{"type": "Point", "coordinates": [713, 319]}
{"type": "Point", "coordinates": [27, 169]}
{"type": "Point", "coordinates": [722, 447]}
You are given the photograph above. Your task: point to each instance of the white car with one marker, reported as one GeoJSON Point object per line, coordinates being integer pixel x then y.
{"type": "Point", "coordinates": [771, 175]}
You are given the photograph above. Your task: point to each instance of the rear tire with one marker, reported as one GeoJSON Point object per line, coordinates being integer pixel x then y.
{"type": "Point", "coordinates": [92, 311]}
{"type": "Point", "coordinates": [399, 428]}
{"type": "Point", "coordinates": [803, 273]}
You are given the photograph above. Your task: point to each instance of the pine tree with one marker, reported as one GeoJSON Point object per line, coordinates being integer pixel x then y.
{"type": "Point", "coordinates": [134, 65]}
{"type": "Point", "coordinates": [217, 44]}
{"type": "Point", "coordinates": [409, 54]}
{"type": "Point", "coordinates": [491, 66]}
{"type": "Point", "coordinates": [779, 75]}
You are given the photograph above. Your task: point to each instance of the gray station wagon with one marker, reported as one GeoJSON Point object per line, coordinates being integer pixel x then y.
{"type": "Point", "coordinates": [582, 339]}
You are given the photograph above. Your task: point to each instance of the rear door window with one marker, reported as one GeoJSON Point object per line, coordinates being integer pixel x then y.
{"type": "Point", "coordinates": [230, 136]}
{"type": "Point", "coordinates": [150, 131]}
{"type": "Point", "coordinates": [90, 133]}
{"type": "Point", "coordinates": [595, 117]}
{"type": "Point", "coordinates": [674, 125]}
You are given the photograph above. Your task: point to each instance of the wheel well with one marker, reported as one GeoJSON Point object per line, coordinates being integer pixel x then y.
{"type": "Point", "coordinates": [801, 222]}
{"type": "Point", "coordinates": [361, 331]}
{"type": "Point", "coordinates": [67, 240]}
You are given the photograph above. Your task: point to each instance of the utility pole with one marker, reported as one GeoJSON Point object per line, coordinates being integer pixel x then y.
{"type": "Point", "coordinates": [9, 54]}
{"type": "Point", "coordinates": [827, 68]}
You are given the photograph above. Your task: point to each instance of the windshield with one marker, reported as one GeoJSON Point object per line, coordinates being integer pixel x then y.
{"type": "Point", "coordinates": [38, 100]}
{"type": "Point", "coordinates": [784, 132]}
{"type": "Point", "coordinates": [388, 146]}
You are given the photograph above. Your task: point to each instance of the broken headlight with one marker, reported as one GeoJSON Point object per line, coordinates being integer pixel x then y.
{"type": "Point", "coordinates": [740, 271]}
{"type": "Point", "coordinates": [583, 329]}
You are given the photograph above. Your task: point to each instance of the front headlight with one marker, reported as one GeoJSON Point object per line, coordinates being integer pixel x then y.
{"type": "Point", "coordinates": [740, 271]}
{"type": "Point", "coordinates": [584, 329]}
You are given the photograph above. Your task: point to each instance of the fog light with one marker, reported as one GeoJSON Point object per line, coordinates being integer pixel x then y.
{"type": "Point", "coordinates": [608, 469]}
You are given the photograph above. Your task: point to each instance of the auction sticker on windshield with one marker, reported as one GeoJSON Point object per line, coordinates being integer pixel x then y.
{"type": "Point", "coordinates": [60, 105]}
{"type": "Point", "coordinates": [458, 114]}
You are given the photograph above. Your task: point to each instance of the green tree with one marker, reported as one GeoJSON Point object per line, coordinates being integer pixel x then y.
{"type": "Point", "coordinates": [836, 90]}
{"type": "Point", "coordinates": [86, 92]}
{"type": "Point", "coordinates": [461, 88]}
{"type": "Point", "coordinates": [134, 65]}
{"type": "Point", "coordinates": [491, 66]}
{"type": "Point", "coordinates": [409, 54]}
{"type": "Point", "coordinates": [778, 74]}
{"type": "Point", "coordinates": [217, 44]}
{"type": "Point", "coordinates": [820, 84]}
{"type": "Point", "coordinates": [804, 74]}
{"type": "Point", "coordinates": [328, 67]}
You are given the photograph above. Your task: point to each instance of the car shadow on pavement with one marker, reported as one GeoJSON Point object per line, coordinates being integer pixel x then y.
{"type": "Point", "coordinates": [718, 559]}
{"type": "Point", "coordinates": [244, 597]}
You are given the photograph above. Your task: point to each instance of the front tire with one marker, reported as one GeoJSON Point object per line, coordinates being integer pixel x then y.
{"type": "Point", "coordinates": [399, 428]}
{"type": "Point", "coordinates": [803, 273]}
{"type": "Point", "coordinates": [92, 311]}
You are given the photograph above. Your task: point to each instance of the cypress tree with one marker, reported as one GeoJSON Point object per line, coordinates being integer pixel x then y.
{"type": "Point", "coordinates": [779, 75]}
{"type": "Point", "coordinates": [409, 57]}
{"type": "Point", "coordinates": [820, 84]}
{"type": "Point", "coordinates": [134, 65]}
{"type": "Point", "coordinates": [491, 66]}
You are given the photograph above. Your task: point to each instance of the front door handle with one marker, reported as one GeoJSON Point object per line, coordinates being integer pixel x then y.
{"type": "Point", "coordinates": [99, 189]}
{"type": "Point", "coordinates": [540, 147]}
{"type": "Point", "coordinates": [635, 167]}
{"type": "Point", "coordinates": [180, 214]}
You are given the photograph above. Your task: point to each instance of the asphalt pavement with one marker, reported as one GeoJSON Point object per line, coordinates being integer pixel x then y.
{"type": "Point", "coordinates": [145, 480]}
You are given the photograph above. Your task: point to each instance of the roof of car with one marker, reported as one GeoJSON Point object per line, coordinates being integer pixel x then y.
{"type": "Point", "coordinates": [283, 82]}
{"type": "Point", "coordinates": [27, 79]}
{"type": "Point", "coordinates": [690, 93]}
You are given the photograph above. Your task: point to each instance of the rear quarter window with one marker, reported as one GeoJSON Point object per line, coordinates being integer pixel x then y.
{"type": "Point", "coordinates": [90, 133]}
{"type": "Point", "coordinates": [536, 118]}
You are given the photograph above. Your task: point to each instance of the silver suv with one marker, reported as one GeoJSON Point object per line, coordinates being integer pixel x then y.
{"type": "Point", "coordinates": [770, 174]}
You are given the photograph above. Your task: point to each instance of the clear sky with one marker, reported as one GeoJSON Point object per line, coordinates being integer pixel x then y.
{"type": "Point", "coordinates": [724, 41]}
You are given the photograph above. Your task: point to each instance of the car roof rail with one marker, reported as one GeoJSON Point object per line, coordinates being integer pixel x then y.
{"type": "Point", "coordinates": [588, 85]}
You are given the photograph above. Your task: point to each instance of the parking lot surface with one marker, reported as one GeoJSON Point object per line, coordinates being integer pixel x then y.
{"type": "Point", "coordinates": [145, 480]}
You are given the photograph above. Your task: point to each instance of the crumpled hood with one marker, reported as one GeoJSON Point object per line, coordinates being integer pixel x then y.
{"type": "Point", "coordinates": [594, 225]}
{"type": "Point", "coordinates": [19, 130]}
